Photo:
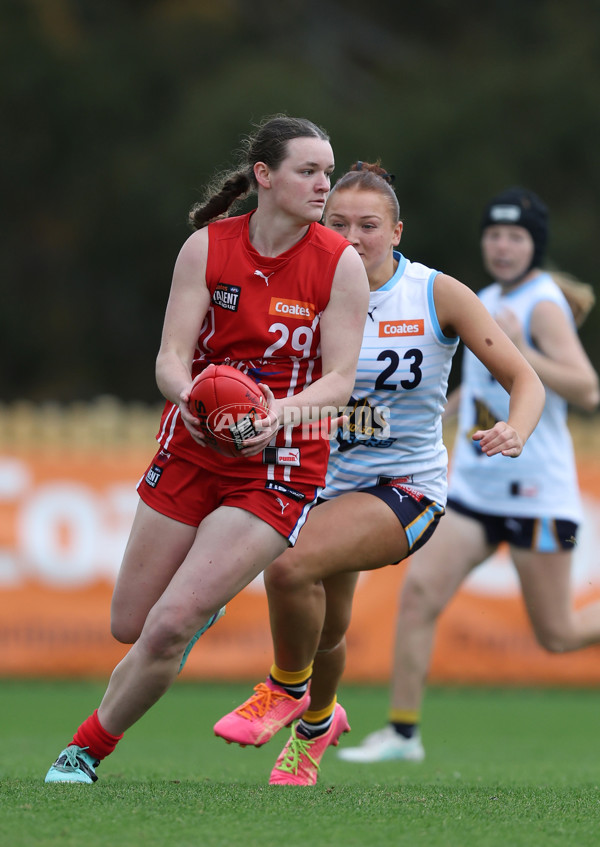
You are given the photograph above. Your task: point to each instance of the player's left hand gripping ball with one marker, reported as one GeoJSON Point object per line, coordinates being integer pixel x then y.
{"type": "Point", "coordinates": [227, 403]}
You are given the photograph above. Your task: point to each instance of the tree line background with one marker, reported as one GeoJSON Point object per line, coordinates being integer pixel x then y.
{"type": "Point", "coordinates": [114, 115]}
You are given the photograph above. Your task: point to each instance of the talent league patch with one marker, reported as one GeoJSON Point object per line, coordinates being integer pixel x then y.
{"type": "Point", "coordinates": [227, 296]}
{"type": "Point", "coordinates": [153, 476]}
{"type": "Point", "coordinates": [285, 489]}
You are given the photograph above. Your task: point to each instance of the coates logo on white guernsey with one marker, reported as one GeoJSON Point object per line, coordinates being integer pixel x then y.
{"type": "Point", "coordinates": [297, 309]}
{"type": "Point", "coordinates": [391, 328]}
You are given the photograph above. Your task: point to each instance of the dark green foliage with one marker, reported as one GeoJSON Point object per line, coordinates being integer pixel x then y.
{"type": "Point", "coordinates": [114, 116]}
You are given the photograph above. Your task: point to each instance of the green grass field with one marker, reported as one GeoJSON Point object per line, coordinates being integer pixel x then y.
{"type": "Point", "coordinates": [503, 768]}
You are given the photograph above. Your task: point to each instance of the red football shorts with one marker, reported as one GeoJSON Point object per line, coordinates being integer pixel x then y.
{"type": "Point", "coordinates": [187, 492]}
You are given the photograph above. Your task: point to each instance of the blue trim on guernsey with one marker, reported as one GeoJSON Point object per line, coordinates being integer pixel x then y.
{"type": "Point", "coordinates": [435, 324]}
{"type": "Point", "coordinates": [518, 290]}
{"type": "Point", "coordinates": [391, 283]}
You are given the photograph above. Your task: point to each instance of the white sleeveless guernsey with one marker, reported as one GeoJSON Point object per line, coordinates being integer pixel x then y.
{"type": "Point", "coordinates": [542, 481]}
{"type": "Point", "coordinates": [400, 392]}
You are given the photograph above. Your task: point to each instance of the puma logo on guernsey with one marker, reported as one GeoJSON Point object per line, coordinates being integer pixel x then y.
{"type": "Point", "coordinates": [296, 309]}
{"type": "Point", "coordinates": [391, 328]}
{"type": "Point", "coordinates": [264, 276]}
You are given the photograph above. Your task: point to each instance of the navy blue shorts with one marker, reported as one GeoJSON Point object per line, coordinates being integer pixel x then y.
{"type": "Point", "coordinates": [543, 535]}
{"type": "Point", "coordinates": [418, 515]}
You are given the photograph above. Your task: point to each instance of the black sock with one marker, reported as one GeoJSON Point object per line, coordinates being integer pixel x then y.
{"type": "Point", "coordinates": [313, 730]}
{"type": "Point", "coordinates": [407, 730]}
{"type": "Point", "coordinates": [296, 691]}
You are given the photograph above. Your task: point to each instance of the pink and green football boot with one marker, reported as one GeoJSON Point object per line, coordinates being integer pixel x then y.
{"type": "Point", "coordinates": [299, 761]}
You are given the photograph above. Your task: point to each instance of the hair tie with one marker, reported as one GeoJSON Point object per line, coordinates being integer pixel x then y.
{"type": "Point", "coordinates": [359, 165]}
{"type": "Point", "coordinates": [388, 177]}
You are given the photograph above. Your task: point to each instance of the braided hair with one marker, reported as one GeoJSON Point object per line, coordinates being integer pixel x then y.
{"type": "Point", "coordinates": [267, 144]}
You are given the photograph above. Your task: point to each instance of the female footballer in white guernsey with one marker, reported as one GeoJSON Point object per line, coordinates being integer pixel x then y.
{"type": "Point", "coordinates": [386, 481]}
{"type": "Point", "coordinates": [533, 505]}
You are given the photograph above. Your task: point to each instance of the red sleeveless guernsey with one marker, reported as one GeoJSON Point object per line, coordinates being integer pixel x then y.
{"type": "Point", "coordinates": [264, 319]}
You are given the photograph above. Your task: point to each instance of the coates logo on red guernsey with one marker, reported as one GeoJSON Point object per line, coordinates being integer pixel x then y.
{"type": "Point", "coordinates": [388, 329]}
{"type": "Point", "coordinates": [296, 309]}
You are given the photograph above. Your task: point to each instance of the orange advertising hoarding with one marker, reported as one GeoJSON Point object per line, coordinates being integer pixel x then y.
{"type": "Point", "coordinates": [64, 521]}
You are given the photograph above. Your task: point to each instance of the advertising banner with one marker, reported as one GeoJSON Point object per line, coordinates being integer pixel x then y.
{"type": "Point", "coordinates": [65, 517]}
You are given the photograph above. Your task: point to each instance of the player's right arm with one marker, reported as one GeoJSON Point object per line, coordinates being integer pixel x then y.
{"type": "Point", "coordinates": [342, 327]}
{"type": "Point", "coordinates": [189, 300]}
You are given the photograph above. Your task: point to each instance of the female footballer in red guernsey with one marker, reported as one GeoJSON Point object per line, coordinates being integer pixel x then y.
{"type": "Point", "coordinates": [280, 297]}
